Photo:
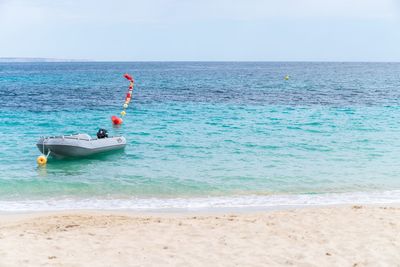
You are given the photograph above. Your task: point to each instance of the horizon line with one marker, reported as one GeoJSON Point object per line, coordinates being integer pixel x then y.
{"type": "Point", "coordinates": [57, 60]}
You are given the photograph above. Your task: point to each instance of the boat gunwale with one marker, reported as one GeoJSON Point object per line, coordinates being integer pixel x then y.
{"type": "Point", "coordinates": [72, 136]}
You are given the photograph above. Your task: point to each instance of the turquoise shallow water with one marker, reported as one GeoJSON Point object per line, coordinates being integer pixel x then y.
{"type": "Point", "coordinates": [195, 130]}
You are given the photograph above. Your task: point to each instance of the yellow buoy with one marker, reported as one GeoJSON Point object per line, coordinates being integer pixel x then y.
{"type": "Point", "coordinates": [123, 113]}
{"type": "Point", "coordinates": [287, 77]}
{"type": "Point", "coordinates": [41, 160]}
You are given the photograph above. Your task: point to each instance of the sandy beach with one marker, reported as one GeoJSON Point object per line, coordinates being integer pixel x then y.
{"type": "Point", "coordinates": [329, 236]}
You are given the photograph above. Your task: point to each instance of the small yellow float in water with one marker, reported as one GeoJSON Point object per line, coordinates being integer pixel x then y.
{"type": "Point", "coordinates": [287, 77]}
{"type": "Point", "coordinates": [41, 160]}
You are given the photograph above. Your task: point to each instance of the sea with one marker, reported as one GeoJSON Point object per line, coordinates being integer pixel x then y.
{"type": "Point", "coordinates": [202, 135]}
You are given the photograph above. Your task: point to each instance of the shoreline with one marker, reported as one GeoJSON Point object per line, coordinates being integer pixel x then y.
{"type": "Point", "coordinates": [187, 213]}
{"type": "Point", "coordinates": [318, 236]}
{"type": "Point", "coordinates": [234, 203]}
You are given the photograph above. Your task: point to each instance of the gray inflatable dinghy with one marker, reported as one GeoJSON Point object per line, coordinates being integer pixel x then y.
{"type": "Point", "coordinates": [79, 145]}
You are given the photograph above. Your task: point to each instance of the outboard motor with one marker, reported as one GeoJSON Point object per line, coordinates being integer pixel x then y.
{"type": "Point", "coordinates": [102, 133]}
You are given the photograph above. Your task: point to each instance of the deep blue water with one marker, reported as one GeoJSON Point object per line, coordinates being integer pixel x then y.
{"type": "Point", "coordinates": [197, 129]}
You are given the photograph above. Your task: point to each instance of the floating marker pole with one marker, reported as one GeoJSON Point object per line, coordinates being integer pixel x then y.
{"type": "Point", "coordinates": [115, 119]}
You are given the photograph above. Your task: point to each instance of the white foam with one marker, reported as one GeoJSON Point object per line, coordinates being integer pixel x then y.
{"type": "Point", "coordinates": [201, 203]}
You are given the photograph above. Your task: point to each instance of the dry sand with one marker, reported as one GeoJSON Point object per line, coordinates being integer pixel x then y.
{"type": "Point", "coordinates": [338, 236]}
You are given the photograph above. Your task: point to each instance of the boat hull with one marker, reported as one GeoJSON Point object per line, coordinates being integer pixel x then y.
{"type": "Point", "coordinates": [75, 146]}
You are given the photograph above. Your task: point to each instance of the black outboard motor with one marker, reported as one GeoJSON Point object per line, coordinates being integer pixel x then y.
{"type": "Point", "coordinates": [102, 133]}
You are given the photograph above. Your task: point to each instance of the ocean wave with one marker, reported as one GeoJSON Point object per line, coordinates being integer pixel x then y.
{"type": "Point", "coordinates": [201, 203]}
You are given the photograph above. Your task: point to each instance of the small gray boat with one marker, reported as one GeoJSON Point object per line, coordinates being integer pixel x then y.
{"type": "Point", "coordinates": [80, 145]}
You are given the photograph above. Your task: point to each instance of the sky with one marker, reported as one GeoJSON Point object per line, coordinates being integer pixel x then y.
{"type": "Point", "coordinates": [201, 30]}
